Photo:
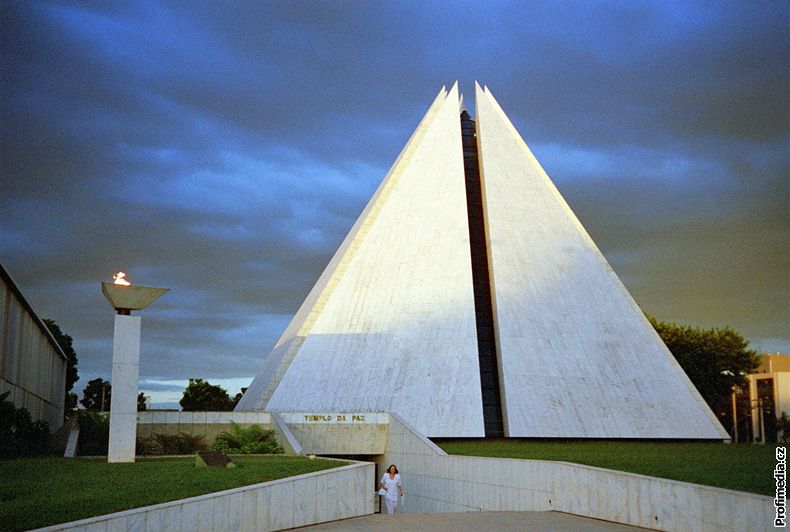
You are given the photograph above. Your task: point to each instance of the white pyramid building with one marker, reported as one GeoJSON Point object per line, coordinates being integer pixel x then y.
{"type": "Point", "coordinates": [475, 304]}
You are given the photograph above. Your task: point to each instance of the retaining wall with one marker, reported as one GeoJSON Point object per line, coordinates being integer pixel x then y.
{"type": "Point", "coordinates": [436, 482]}
{"type": "Point", "coordinates": [339, 433]}
{"type": "Point", "coordinates": [206, 424]}
{"type": "Point", "coordinates": [304, 500]}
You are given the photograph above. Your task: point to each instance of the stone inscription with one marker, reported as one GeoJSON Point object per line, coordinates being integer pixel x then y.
{"type": "Point", "coordinates": [342, 418]}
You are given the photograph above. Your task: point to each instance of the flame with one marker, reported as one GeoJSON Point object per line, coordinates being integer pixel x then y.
{"type": "Point", "coordinates": [118, 278]}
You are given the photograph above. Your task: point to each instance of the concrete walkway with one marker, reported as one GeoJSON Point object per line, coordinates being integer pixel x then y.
{"type": "Point", "coordinates": [474, 521]}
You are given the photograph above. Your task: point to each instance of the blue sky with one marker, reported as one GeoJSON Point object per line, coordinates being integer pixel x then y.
{"type": "Point", "coordinates": [223, 150]}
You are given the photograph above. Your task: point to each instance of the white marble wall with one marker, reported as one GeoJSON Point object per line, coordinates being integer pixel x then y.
{"type": "Point", "coordinates": [390, 325]}
{"type": "Point", "coordinates": [155, 417]}
{"type": "Point", "coordinates": [125, 374]}
{"type": "Point", "coordinates": [339, 433]}
{"type": "Point", "coordinates": [342, 433]}
{"type": "Point", "coordinates": [210, 424]}
{"type": "Point", "coordinates": [286, 503]}
{"type": "Point", "coordinates": [577, 356]}
{"type": "Point", "coordinates": [32, 365]}
{"type": "Point", "coordinates": [278, 361]}
{"type": "Point", "coordinates": [436, 482]}
{"type": "Point", "coordinates": [336, 433]}
{"type": "Point", "coordinates": [285, 436]}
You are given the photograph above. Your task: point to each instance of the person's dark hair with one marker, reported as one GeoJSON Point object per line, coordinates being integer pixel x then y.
{"type": "Point", "coordinates": [391, 466]}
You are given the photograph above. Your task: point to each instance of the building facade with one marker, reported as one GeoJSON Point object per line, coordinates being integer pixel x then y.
{"type": "Point", "coordinates": [32, 364]}
{"type": "Point", "coordinates": [757, 406]}
{"type": "Point", "coordinates": [468, 299]}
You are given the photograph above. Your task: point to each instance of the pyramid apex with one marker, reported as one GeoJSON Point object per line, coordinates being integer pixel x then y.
{"type": "Point", "coordinates": [454, 93]}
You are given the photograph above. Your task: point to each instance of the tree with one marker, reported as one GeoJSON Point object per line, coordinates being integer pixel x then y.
{"type": "Point", "coordinates": [96, 395]}
{"type": "Point", "coordinates": [141, 406]}
{"type": "Point", "coordinates": [714, 359]}
{"type": "Point", "coordinates": [72, 375]}
{"type": "Point", "coordinates": [239, 396]}
{"type": "Point", "coordinates": [92, 397]}
{"type": "Point", "coordinates": [70, 406]}
{"type": "Point", "coordinates": [203, 396]}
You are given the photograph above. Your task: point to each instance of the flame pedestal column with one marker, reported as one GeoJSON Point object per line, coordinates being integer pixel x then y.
{"type": "Point", "coordinates": [126, 365]}
{"type": "Point", "coordinates": [123, 402]}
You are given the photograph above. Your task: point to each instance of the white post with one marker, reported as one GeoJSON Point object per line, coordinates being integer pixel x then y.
{"type": "Point", "coordinates": [123, 401]}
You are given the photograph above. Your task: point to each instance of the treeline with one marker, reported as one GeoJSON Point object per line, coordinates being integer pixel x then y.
{"type": "Point", "coordinates": [199, 396]}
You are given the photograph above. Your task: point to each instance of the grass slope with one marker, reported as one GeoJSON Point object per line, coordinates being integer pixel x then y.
{"type": "Point", "coordinates": [739, 467]}
{"type": "Point", "coordinates": [36, 492]}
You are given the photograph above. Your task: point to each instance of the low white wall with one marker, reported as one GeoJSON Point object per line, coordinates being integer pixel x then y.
{"type": "Point", "coordinates": [166, 417]}
{"type": "Point", "coordinates": [206, 424]}
{"type": "Point", "coordinates": [436, 482]}
{"type": "Point", "coordinates": [304, 500]}
{"type": "Point", "coordinates": [339, 433]}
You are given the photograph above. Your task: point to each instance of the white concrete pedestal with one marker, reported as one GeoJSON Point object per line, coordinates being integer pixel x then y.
{"type": "Point", "coordinates": [125, 373]}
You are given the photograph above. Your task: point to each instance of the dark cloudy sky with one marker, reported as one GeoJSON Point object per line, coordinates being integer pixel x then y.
{"type": "Point", "coordinates": [223, 150]}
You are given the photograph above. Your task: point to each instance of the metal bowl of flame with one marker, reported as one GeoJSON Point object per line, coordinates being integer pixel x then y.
{"type": "Point", "coordinates": [130, 297]}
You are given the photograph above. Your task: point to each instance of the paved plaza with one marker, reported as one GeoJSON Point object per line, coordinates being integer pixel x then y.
{"type": "Point", "coordinates": [474, 521]}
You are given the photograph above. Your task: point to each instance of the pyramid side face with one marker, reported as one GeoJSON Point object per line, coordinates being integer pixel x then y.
{"type": "Point", "coordinates": [268, 378]}
{"type": "Point", "coordinates": [390, 326]}
{"type": "Point", "coordinates": [577, 356]}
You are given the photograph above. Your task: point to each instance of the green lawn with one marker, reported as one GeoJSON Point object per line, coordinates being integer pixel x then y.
{"type": "Point", "coordinates": [36, 492]}
{"type": "Point", "coordinates": [741, 467]}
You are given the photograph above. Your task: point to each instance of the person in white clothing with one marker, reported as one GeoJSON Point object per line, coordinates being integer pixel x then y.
{"type": "Point", "coordinates": [392, 487]}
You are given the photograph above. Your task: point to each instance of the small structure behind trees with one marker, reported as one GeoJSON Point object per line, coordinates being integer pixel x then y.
{"type": "Point", "coordinates": [715, 360]}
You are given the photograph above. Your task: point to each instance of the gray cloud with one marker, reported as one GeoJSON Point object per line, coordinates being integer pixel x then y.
{"type": "Point", "coordinates": [225, 151]}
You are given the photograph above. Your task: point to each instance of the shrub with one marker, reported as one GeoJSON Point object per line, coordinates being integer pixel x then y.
{"type": "Point", "coordinates": [147, 447]}
{"type": "Point", "coordinates": [247, 440]}
{"type": "Point", "coordinates": [94, 433]}
{"type": "Point", "coordinates": [169, 444]}
{"type": "Point", "coordinates": [19, 434]}
{"type": "Point", "coordinates": [783, 428]}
